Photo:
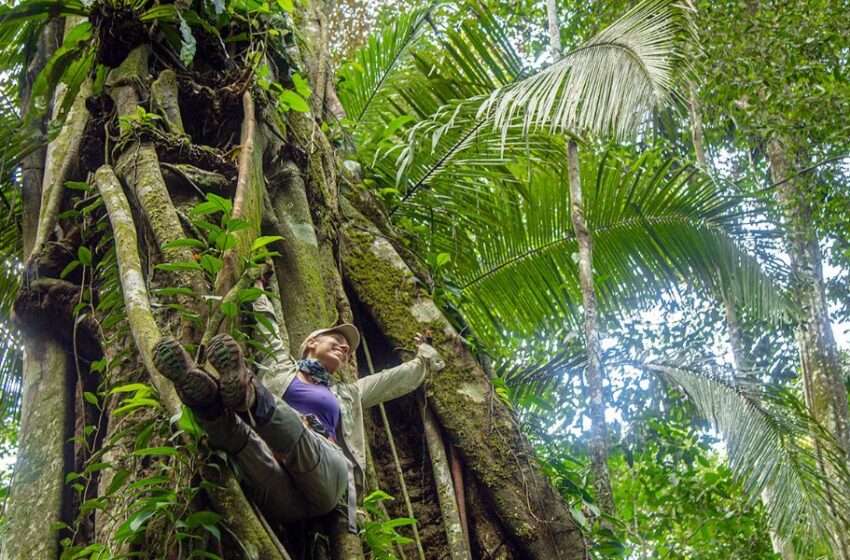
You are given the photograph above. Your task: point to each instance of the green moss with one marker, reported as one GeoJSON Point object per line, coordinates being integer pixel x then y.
{"type": "Point", "coordinates": [36, 498]}
{"type": "Point", "coordinates": [164, 97]}
{"type": "Point", "coordinates": [133, 69]}
{"type": "Point", "coordinates": [303, 297]}
{"type": "Point", "coordinates": [390, 293]}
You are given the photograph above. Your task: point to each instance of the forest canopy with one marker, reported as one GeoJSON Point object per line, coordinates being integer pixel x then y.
{"type": "Point", "coordinates": [622, 224]}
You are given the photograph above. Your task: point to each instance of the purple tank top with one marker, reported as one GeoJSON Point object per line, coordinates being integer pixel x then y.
{"type": "Point", "coordinates": [308, 398]}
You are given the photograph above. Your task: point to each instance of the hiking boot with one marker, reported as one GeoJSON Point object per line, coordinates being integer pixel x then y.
{"type": "Point", "coordinates": [235, 379]}
{"type": "Point", "coordinates": [195, 387]}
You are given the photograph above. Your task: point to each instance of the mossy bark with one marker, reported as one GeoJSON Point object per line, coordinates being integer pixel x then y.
{"type": "Point", "coordinates": [303, 299]}
{"type": "Point", "coordinates": [164, 98]}
{"type": "Point", "coordinates": [138, 166]}
{"type": "Point", "coordinates": [823, 382]}
{"type": "Point", "coordinates": [39, 485]}
{"type": "Point", "coordinates": [446, 491]}
{"type": "Point", "coordinates": [477, 422]}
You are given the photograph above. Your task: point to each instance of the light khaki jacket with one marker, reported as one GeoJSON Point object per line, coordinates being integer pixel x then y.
{"type": "Point", "coordinates": [355, 397]}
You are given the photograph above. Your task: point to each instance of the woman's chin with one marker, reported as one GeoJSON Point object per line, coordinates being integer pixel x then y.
{"type": "Point", "coordinates": [330, 364]}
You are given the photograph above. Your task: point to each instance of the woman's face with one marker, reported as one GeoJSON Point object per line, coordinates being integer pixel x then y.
{"type": "Point", "coordinates": [330, 349]}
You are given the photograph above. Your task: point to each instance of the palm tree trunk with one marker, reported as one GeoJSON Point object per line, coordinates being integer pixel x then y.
{"type": "Point", "coordinates": [825, 393]}
{"type": "Point", "coordinates": [598, 428]}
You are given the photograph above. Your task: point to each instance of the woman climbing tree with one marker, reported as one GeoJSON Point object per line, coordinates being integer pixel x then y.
{"type": "Point", "coordinates": [302, 450]}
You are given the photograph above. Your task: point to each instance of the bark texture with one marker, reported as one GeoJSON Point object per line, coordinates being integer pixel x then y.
{"type": "Point", "coordinates": [825, 392]}
{"type": "Point", "coordinates": [38, 489]}
{"type": "Point", "coordinates": [593, 373]}
{"type": "Point", "coordinates": [477, 422]}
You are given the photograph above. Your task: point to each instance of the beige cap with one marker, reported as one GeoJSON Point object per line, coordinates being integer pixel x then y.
{"type": "Point", "coordinates": [348, 331]}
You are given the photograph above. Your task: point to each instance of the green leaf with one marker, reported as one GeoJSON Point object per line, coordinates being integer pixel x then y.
{"type": "Point", "coordinates": [95, 467]}
{"type": "Point", "coordinates": [301, 85]}
{"type": "Point", "coordinates": [247, 295]}
{"type": "Point", "coordinates": [229, 309]}
{"type": "Point", "coordinates": [129, 388]}
{"type": "Point", "coordinates": [187, 242]}
{"type": "Point", "coordinates": [78, 185]}
{"type": "Point", "coordinates": [264, 240]}
{"type": "Point", "coordinates": [166, 13]}
{"type": "Point", "coordinates": [133, 524]}
{"type": "Point", "coordinates": [211, 264]}
{"type": "Point", "coordinates": [149, 481]}
{"type": "Point", "coordinates": [202, 518]}
{"type": "Point", "coordinates": [179, 266]}
{"type": "Point", "coordinates": [292, 100]}
{"type": "Point", "coordinates": [118, 480]}
{"type": "Point", "coordinates": [91, 398]}
{"type": "Point", "coordinates": [136, 404]}
{"type": "Point", "coordinates": [69, 268]}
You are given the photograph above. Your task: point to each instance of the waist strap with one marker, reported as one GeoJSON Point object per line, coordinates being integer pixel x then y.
{"type": "Point", "coordinates": [352, 498]}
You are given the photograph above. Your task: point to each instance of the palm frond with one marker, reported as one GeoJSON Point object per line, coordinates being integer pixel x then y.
{"type": "Point", "coordinates": [609, 85]}
{"type": "Point", "coordinates": [658, 229]}
{"type": "Point", "coordinates": [445, 66]}
{"type": "Point", "coordinates": [774, 446]}
{"type": "Point", "coordinates": [363, 81]}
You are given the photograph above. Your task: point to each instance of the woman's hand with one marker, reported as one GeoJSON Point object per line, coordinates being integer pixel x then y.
{"type": "Point", "coordinates": [429, 352]}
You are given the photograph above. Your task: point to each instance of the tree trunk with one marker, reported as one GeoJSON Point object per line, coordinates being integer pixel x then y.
{"type": "Point", "coordinates": [146, 488]}
{"type": "Point", "coordinates": [593, 373]}
{"type": "Point", "coordinates": [462, 397]}
{"type": "Point", "coordinates": [598, 430]}
{"type": "Point", "coordinates": [783, 547]}
{"type": "Point", "coordinates": [825, 393]}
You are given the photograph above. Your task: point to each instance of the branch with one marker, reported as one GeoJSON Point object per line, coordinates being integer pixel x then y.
{"type": "Point", "coordinates": [458, 545]}
{"type": "Point", "coordinates": [136, 299]}
{"type": "Point", "coordinates": [228, 275]}
{"type": "Point", "coordinates": [246, 154]}
{"type": "Point", "coordinates": [62, 155]}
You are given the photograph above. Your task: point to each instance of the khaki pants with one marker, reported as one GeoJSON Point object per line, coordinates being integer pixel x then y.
{"type": "Point", "coordinates": [312, 474]}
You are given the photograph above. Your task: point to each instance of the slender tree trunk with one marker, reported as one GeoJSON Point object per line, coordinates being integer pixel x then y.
{"type": "Point", "coordinates": [39, 492]}
{"type": "Point", "coordinates": [554, 29]}
{"type": "Point", "coordinates": [594, 374]}
{"type": "Point", "coordinates": [783, 547]}
{"type": "Point", "coordinates": [825, 393]}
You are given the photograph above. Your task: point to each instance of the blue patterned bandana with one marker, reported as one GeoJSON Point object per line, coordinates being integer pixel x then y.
{"type": "Point", "coordinates": [315, 370]}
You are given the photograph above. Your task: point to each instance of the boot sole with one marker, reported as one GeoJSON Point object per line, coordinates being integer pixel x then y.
{"type": "Point", "coordinates": [225, 354]}
{"type": "Point", "coordinates": [194, 385]}
{"type": "Point", "coordinates": [171, 360]}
